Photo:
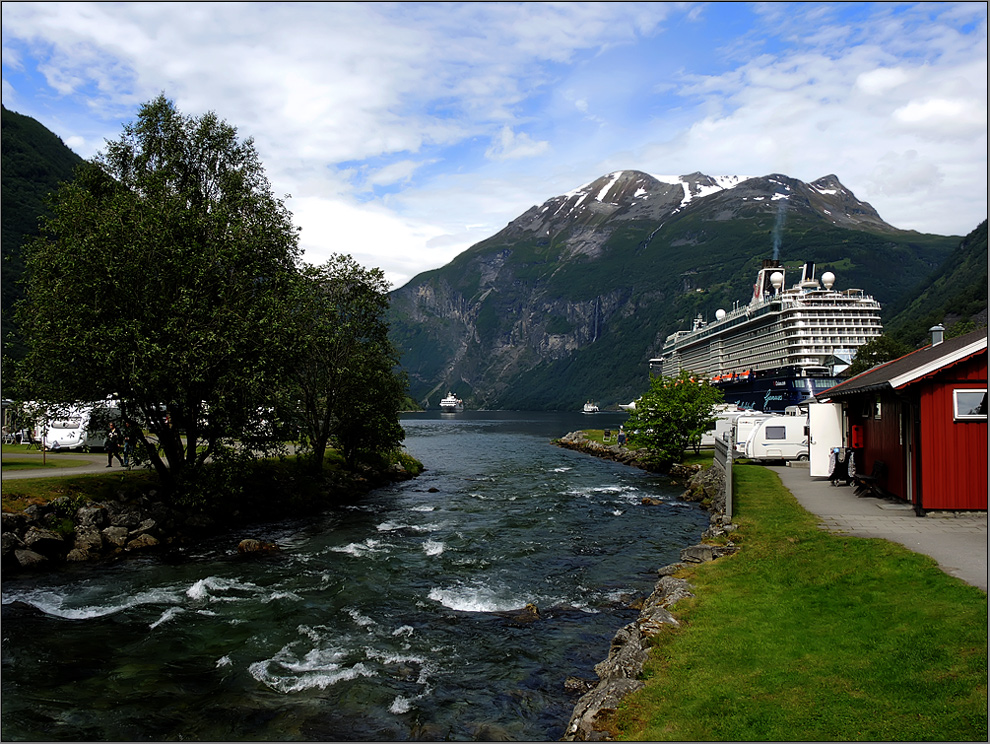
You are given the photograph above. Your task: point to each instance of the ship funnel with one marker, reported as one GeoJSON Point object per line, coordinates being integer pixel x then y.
{"type": "Point", "coordinates": [938, 334]}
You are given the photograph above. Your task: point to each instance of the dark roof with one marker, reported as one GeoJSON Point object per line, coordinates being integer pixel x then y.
{"type": "Point", "coordinates": [910, 367]}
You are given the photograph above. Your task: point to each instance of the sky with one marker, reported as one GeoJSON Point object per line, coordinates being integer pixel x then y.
{"type": "Point", "coordinates": [404, 133]}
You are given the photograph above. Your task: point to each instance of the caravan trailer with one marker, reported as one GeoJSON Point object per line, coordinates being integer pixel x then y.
{"type": "Point", "coordinates": [725, 417]}
{"type": "Point", "coordinates": [778, 438]}
{"type": "Point", "coordinates": [78, 427]}
{"type": "Point", "coordinates": [743, 427]}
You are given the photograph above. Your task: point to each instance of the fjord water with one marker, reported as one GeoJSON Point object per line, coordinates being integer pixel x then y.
{"type": "Point", "coordinates": [396, 618]}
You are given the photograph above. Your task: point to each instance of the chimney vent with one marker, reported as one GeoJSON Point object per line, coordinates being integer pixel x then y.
{"type": "Point", "coordinates": [938, 334]}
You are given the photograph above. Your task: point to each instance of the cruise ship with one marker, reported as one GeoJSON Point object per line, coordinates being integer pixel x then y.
{"type": "Point", "coordinates": [784, 346]}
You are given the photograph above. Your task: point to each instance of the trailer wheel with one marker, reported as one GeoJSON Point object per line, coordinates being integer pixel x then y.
{"type": "Point", "coordinates": [802, 457]}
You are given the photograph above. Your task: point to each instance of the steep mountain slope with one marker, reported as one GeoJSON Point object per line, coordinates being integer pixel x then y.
{"type": "Point", "coordinates": [573, 297]}
{"type": "Point", "coordinates": [34, 162]}
{"type": "Point", "coordinates": [955, 292]}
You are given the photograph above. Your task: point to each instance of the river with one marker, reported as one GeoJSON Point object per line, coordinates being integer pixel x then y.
{"type": "Point", "coordinates": [392, 619]}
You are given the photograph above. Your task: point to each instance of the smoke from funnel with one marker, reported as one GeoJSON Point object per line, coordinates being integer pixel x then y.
{"type": "Point", "coordinates": [778, 228]}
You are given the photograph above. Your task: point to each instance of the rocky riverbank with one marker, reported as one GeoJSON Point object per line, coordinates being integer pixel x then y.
{"type": "Point", "coordinates": [619, 674]}
{"type": "Point", "coordinates": [67, 530]}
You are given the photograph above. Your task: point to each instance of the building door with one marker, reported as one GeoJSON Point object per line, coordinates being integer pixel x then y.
{"type": "Point", "coordinates": [825, 424]}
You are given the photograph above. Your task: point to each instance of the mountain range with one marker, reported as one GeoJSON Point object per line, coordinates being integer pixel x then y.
{"type": "Point", "coordinates": [570, 300]}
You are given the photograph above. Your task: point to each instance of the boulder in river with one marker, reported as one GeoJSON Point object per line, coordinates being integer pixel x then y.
{"type": "Point", "coordinates": [250, 546]}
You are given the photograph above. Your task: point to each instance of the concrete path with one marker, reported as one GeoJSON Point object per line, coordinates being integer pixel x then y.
{"type": "Point", "coordinates": [95, 463]}
{"type": "Point", "coordinates": [958, 541]}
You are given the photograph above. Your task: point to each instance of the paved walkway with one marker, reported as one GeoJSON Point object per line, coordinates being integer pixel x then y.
{"type": "Point", "coordinates": [89, 463]}
{"type": "Point", "coordinates": [958, 541]}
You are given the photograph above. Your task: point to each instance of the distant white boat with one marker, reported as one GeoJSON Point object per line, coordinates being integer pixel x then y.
{"type": "Point", "coordinates": [590, 407]}
{"type": "Point", "coordinates": [628, 406]}
{"type": "Point", "coordinates": [451, 404]}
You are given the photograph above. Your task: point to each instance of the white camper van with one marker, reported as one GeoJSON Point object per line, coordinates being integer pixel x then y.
{"type": "Point", "coordinates": [778, 438]}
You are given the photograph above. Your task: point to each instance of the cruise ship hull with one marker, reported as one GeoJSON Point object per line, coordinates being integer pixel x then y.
{"type": "Point", "coordinates": [774, 391]}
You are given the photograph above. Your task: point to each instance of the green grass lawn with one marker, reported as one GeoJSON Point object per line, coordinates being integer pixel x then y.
{"type": "Point", "coordinates": [808, 635]}
{"type": "Point", "coordinates": [14, 462]}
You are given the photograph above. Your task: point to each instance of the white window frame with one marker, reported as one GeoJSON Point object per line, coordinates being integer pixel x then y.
{"type": "Point", "coordinates": [957, 415]}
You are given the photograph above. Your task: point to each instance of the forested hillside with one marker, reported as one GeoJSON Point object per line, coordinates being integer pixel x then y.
{"type": "Point", "coordinates": [571, 300]}
{"type": "Point", "coordinates": [34, 162]}
{"type": "Point", "coordinates": [955, 293]}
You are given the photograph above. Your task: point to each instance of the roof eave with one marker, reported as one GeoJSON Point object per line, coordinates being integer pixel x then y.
{"type": "Point", "coordinates": [936, 364]}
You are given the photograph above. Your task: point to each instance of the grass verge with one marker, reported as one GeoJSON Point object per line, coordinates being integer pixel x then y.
{"type": "Point", "coordinates": [36, 463]}
{"type": "Point", "coordinates": [813, 636]}
{"type": "Point", "coordinates": [20, 494]}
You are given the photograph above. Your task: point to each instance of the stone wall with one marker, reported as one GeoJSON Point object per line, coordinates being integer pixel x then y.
{"type": "Point", "coordinates": [619, 674]}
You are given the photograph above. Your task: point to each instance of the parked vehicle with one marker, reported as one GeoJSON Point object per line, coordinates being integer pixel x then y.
{"type": "Point", "coordinates": [726, 416]}
{"type": "Point", "coordinates": [82, 426]}
{"type": "Point", "coordinates": [743, 427]}
{"type": "Point", "coordinates": [778, 438]}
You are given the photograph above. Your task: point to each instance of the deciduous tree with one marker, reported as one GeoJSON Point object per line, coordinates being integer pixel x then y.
{"type": "Point", "coordinates": [161, 278]}
{"type": "Point", "coordinates": [670, 415]}
{"type": "Point", "coordinates": [344, 373]}
{"type": "Point", "coordinates": [876, 351]}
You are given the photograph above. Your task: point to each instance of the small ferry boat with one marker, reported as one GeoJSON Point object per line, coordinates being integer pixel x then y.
{"type": "Point", "coordinates": [451, 404]}
{"type": "Point", "coordinates": [590, 407]}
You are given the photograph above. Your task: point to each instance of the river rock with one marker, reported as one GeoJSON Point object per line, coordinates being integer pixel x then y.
{"type": "Point", "coordinates": [92, 516]}
{"type": "Point", "coordinates": [576, 684]}
{"type": "Point", "coordinates": [594, 708]}
{"type": "Point", "coordinates": [698, 554]}
{"type": "Point", "coordinates": [88, 541]}
{"type": "Point", "coordinates": [528, 614]}
{"type": "Point", "coordinates": [9, 542]}
{"type": "Point", "coordinates": [33, 514]}
{"type": "Point", "coordinates": [626, 655]}
{"type": "Point", "coordinates": [145, 527]}
{"type": "Point", "coordinates": [142, 542]}
{"type": "Point", "coordinates": [670, 569]}
{"type": "Point", "coordinates": [13, 523]}
{"type": "Point", "coordinates": [250, 546]}
{"type": "Point", "coordinates": [29, 559]}
{"type": "Point", "coordinates": [126, 518]}
{"type": "Point", "coordinates": [43, 541]}
{"type": "Point", "coordinates": [116, 536]}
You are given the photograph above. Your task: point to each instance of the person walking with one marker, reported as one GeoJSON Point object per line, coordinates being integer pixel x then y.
{"type": "Point", "coordinates": [129, 441]}
{"type": "Point", "coordinates": [113, 445]}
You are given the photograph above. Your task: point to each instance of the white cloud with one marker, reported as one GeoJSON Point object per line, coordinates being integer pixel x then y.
{"type": "Point", "coordinates": [468, 113]}
{"type": "Point", "coordinates": [944, 116]}
{"type": "Point", "coordinates": [507, 145]}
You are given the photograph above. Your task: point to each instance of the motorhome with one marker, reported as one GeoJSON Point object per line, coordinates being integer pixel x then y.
{"type": "Point", "coordinates": [778, 438]}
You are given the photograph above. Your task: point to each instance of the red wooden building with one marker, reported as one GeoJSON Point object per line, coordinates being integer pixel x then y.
{"type": "Point", "coordinates": [920, 424]}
